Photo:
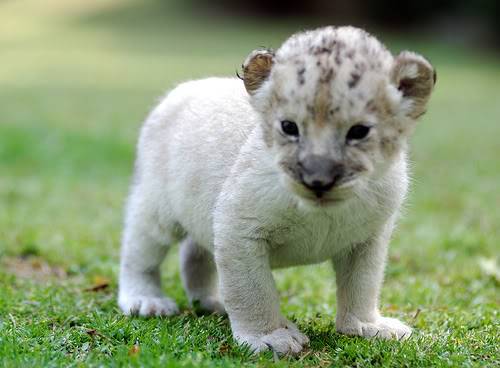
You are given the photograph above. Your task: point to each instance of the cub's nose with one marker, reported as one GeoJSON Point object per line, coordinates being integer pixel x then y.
{"type": "Point", "coordinates": [320, 174]}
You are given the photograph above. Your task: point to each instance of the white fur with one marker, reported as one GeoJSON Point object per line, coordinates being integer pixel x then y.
{"type": "Point", "coordinates": [203, 166]}
{"type": "Point", "coordinates": [220, 200]}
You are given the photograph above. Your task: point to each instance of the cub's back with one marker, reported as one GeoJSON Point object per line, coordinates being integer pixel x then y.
{"type": "Point", "coordinates": [188, 145]}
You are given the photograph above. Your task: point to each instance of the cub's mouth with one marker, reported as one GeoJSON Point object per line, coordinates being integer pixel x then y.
{"type": "Point", "coordinates": [332, 197]}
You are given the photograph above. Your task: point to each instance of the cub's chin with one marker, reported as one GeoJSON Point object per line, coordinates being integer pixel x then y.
{"type": "Point", "coordinates": [308, 199]}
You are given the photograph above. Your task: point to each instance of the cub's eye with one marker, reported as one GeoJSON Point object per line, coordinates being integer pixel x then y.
{"type": "Point", "coordinates": [358, 131]}
{"type": "Point", "coordinates": [290, 128]}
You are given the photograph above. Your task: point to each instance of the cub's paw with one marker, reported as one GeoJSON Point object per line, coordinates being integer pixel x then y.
{"type": "Point", "coordinates": [147, 306]}
{"type": "Point", "coordinates": [286, 340]}
{"type": "Point", "coordinates": [382, 327]}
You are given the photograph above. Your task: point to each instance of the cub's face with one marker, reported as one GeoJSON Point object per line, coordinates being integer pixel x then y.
{"type": "Point", "coordinates": [337, 109]}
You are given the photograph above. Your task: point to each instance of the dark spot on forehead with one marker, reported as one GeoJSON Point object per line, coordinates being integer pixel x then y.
{"type": "Point", "coordinates": [374, 65]}
{"type": "Point", "coordinates": [327, 45]}
{"type": "Point", "coordinates": [338, 59]}
{"type": "Point", "coordinates": [300, 76]}
{"type": "Point", "coordinates": [360, 67]}
{"type": "Point", "coordinates": [318, 50]}
{"type": "Point", "coordinates": [326, 76]}
{"type": "Point", "coordinates": [350, 54]}
{"type": "Point", "coordinates": [353, 82]}
{"type": "Point", "coordinates": [340, 45]}
{"type": "Point", "coordinates": [334, 110]}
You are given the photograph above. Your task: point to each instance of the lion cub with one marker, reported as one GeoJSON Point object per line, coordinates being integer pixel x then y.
{"type": "Point", "coordinates": [303, 161]}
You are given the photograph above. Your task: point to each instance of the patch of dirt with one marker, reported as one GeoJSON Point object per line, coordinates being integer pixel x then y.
{"type": "Point", "coordinates": [33, 268]}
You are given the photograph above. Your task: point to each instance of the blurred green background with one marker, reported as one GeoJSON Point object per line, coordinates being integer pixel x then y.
{"type": "Point", "coordinates": [78, 77]}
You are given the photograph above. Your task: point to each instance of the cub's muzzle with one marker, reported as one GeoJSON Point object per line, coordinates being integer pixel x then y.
{"type": "Point", "coordinates": [319, 173]}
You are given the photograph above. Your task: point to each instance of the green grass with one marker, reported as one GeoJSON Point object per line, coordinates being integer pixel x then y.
{"type": "Point", "coordinates": [77, 78]}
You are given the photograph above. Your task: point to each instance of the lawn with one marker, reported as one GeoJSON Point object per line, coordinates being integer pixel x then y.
{"type": "Point", "coordinates": [77, 78]}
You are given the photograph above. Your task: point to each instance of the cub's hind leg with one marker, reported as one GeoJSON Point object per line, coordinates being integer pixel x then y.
{"type": "Point", "coordinates": [144, 246]}
{"type": "Point", "coordinates": [199, 276]}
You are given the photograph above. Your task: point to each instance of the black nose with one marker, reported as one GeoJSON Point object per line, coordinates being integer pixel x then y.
{"type": "Point", "coordinates": [320, 174]}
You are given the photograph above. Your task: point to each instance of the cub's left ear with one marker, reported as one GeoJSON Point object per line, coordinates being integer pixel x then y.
{"type": "Point", "coordinates": [256, 69]}
{"type": "Point", "coordinates": [415, 77]}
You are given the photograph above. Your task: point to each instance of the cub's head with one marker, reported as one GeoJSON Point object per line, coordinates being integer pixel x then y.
{"type": "Point", "coordinates": [337, 108]}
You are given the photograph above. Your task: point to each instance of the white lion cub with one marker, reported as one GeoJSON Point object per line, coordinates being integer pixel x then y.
{"type": "Point", "coordinates": [303, 161]}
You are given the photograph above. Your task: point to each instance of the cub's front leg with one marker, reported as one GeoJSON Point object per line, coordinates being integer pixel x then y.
{"type": "Point", "coordinates": [251, 299]}
{"type": "Point", "coordinates": [359, 274]}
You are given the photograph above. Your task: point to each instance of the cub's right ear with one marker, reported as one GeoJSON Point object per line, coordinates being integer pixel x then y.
{"type": "Point", "coordinates": [256, 69]}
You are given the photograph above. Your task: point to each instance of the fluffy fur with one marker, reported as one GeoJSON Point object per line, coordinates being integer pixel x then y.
{"type": "Point", "coordinates": [215, 166]}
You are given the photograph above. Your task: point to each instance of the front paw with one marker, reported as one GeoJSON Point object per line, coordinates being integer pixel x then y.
{"type": "Point", "coordinates": [381, 327]}
{"type": "Point", "coordinates": [287, 340]}
{"type": "Point", "coordinates": [147, 306]}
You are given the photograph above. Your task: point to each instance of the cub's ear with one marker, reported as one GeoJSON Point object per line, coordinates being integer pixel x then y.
{"type": "Point", "coordinates": [415, 77]}
{"type": "Point", "coordinates": [256, 69]}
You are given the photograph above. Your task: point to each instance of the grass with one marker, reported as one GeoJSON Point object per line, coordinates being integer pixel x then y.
{"type": "Point", "coordinates": [76, 80]}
